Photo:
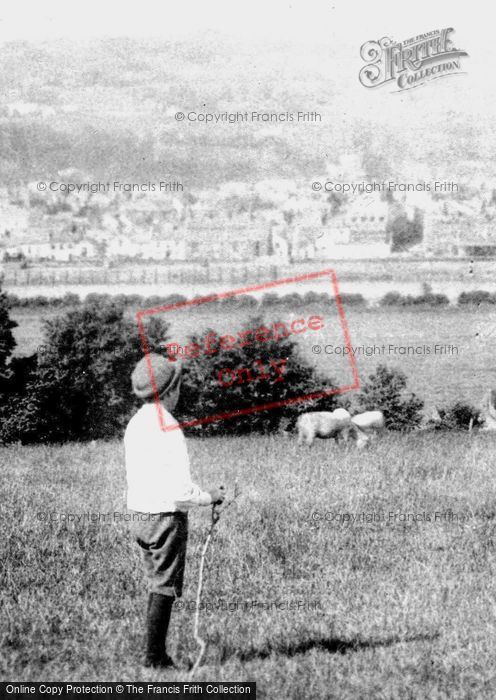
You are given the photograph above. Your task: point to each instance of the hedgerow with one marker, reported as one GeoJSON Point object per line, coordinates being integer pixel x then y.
{"type": "Point", "coordinates": [476, 298]}
{"type": "Point", "coordinates": [427, 299]}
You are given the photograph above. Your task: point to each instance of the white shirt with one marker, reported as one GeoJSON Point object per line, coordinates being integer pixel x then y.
{"type": "Point", "coordinates": [157, 465]}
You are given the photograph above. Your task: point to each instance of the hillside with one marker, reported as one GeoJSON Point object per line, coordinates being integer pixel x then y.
{"type": "Point", "coordinates": [106, 107]}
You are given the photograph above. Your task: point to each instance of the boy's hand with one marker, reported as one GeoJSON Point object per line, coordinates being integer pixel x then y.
{"type": "Point", "coordinates": [217, 495]}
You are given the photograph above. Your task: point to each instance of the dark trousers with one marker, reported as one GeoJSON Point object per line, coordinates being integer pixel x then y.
{"type": "Point", "coordinates": [162, 538]}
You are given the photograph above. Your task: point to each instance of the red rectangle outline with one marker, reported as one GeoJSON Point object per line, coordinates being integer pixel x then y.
{"type": "Point", "coordinates": [225, 295]}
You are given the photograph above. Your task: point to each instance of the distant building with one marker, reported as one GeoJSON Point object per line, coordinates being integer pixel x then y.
{"type": "Point", "coordinates": [20, 109]}
{"type": "Point", "coordinates": [57, 252]}
{"type": "Point", "coordinates": [13, 221]}
{"type": "Point", "coordinates": [359, 231]}
{"type": "Point", "coordinates": [232, 241]}
{"type": "Point", "coordinates": [460, 229]}
{"type": "Point", "coordinates": [158, 250]}
{"type": "Point", "coordinates": [120, 247]}
{"type": "Point", "coordinates": [273, 220]}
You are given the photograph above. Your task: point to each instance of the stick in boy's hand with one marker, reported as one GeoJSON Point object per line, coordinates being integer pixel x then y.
{"type": "Point", "coordinates": [216, 513]}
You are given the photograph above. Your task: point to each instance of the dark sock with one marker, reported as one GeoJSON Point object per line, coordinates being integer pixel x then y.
{"type": "Point", "coordinates": [157, 625]}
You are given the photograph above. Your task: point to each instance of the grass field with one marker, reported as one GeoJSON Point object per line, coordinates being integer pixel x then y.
{"type": "Point", "coordinates": [437, 378]}
{"type": "Point", "coordinates": [384, 609]}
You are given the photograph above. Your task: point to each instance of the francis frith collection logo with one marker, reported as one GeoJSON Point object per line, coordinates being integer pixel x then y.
{"type": "Point", "coordinates": [412, 62]}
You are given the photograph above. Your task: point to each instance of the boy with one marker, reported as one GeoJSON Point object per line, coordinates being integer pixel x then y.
{"type": "Point", "coordinates": [160, 490]}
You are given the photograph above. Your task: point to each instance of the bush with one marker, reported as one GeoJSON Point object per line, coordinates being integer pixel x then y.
{"type": "Point", "coordinates": [203, 395]}
{"type": "Point", "coordinates": [425, 299]}
{"type": "Point", "coordinates": [153, 301]}
{"type": "Point", "coordinates": [295, 300]}
{"type": "Point", "coordinates": [353, 300]}
{"type": "Point", "coordinates": [431, 299]}
{"type": "Point", "coordinates": [458, 416]}
{"type": "Point", "coordinates": [70, 299]}
{"type": "Point", "coordinates": [311, 298]}
{"type": "Point", "coordinates": [7, 340]}
{"type": "Point", "coordinates": [56, 302]}
{"type": "Point", "coordinates": [7, 345]}
{"type": "Point", "coordinates": [80, 387]}
{"type": "Point", "coordinates": [119, 300]}
{"type": "Point", "coordinates": [385, 391]}
{"type": "Point", "coordinates": [269, 299]}
{"type": "Point", "coordinates": [239, 301]}
{"type": "Point", "coordinates": [95, 298]}
{"type": "Point", "coordinates": [173, 299]}
{"type": "Point", "coordinates": [135, 300]}
{"type": "Point", "coordinates": [392, 299]}
{"type": "Point", "coordinates": [39, 300]}
{"type": "Point", "coordinates": [13, 300]}
{"type": "Point", "coordinates": [476, 298]}
{"type": "Point", "coordinates": [291, 301]}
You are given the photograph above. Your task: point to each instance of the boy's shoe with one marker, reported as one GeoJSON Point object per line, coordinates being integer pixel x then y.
{"type": "Point", "coordinates": [165, 662]}
{"type": "Point", "coordinates": [168, 662]}
{"type": "Point", "coordinates": [158, 616]}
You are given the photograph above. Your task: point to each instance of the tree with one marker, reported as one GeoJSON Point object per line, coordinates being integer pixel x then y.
{"type": "Point", "coordinates": [405, 233]}
{"type": "Point", "coordinates": [232, 380]}
{"type": "Point", "coordinates": [385, 391]}
{"type": "Point", "coordinates": [7, 345]}
{"type": "Point", "coordinates": [80, 387]}
{"type": "Point", "coordinates": [7, 340]}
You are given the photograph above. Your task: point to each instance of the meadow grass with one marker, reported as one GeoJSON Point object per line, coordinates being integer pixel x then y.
{"type": "Point", "coordinates": [384, 609]}
{"type": "Point", "coordinates": [430, 374]}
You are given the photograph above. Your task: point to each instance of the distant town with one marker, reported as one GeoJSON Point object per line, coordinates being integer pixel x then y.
{"type": "Point", "coordinates": [70, 219]}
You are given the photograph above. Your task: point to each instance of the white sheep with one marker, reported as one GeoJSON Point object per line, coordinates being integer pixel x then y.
{"type": "Point", "coordinates": [324, 424]}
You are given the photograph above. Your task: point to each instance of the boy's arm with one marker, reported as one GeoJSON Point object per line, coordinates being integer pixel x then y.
{"type": "Point", "coordinates": [186, 493]}
{"type": "Point", "coordinates": [192, 495]}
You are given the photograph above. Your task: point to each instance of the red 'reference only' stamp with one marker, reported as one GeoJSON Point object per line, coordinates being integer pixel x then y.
{"type": "Point", "coordinates": [266, 369]}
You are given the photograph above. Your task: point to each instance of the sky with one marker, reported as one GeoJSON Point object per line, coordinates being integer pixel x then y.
{"type": "Point", "coordinates": [298, 20]}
